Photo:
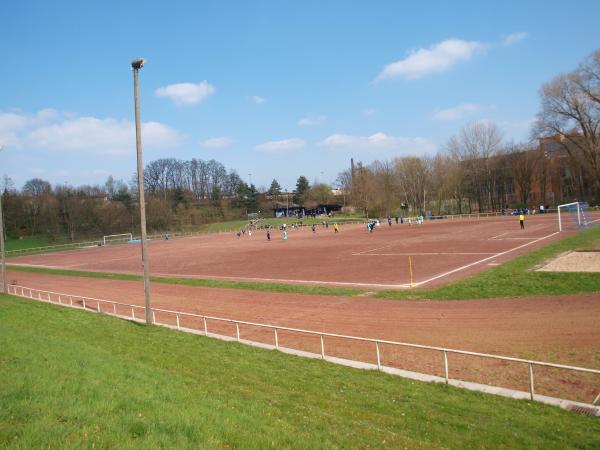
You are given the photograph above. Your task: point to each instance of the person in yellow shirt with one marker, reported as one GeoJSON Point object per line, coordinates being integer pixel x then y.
{"type": "Point", "coordinates": [522, 220]}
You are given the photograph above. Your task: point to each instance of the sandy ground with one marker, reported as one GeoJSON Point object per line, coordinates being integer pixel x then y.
{"type": "Point", "coordinates": [574, 262]}
{"type": "Point", "coordinates": [440, 251]}
{"type": "Point", "coordinates": [554, 329]}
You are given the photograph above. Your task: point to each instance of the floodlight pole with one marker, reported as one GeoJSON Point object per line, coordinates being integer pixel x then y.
{"type": "Point", "coordinates": [2, 255]}
{"type": "Point", "coordinates": [137, 64]}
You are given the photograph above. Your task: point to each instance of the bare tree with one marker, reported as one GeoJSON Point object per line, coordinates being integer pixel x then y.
{"type": "Point", "coordinates": [526, 168]}
{"type": "Point", "coordinates": [476, 147]}
{"type": "Point", "coordinates": [570, 113]}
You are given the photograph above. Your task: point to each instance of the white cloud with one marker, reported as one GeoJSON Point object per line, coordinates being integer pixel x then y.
{"type": "Point", "coordinates": [437, 58]}
{"type": "Point", "coordinates": [311, 120]}
{"type": "Point", "coordinates": [457, 112]}
{"type": "Point", "coordinates": [378, 142]}
{"type": "Point", "coordinates": [280, 147]}
{"type": "Point", "coordinates": [258, 99]}
{"type": "Point", "coordinates": [64, 132]}
{"type": "Point", "coordinates": [369, 112]}
{"type": "Point", "coordinates": [218, 142]}
{"type": "Point", "coordinates": [186, 93]}
{"type": "Point", "coordinates": [514, 38]}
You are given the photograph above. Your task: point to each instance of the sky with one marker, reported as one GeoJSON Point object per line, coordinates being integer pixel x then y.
{"type": "Point", "coordinates": [271, 89]}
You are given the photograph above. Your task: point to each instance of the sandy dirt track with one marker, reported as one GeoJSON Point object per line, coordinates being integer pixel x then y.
{"type": "Point", "coordinates": [555, 329]}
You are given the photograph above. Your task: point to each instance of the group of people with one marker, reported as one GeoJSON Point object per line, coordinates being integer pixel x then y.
{"type": "Point", "coordinates": [284, 230]}
{"type": "Point", "coordinates": [399, 220]}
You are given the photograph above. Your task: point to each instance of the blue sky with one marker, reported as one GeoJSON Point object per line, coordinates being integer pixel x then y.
{"type": "Point", "coordinates": [270, 88]}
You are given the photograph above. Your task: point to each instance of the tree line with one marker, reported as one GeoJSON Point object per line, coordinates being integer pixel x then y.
{"type": "Point", "coordinates": [475, 171]}
{"type": "Point", "coordinates": [478, 171]}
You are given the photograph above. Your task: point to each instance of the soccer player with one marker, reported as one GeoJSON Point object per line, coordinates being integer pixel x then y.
{"type": "Point", "coordinates": [285, 235]}
{"type": "Point", "coordinates": [336, 228]}
{"type": "Point", "coordinates": [522, 220]}
{"type": "Point", "coordinates": [268, 235]}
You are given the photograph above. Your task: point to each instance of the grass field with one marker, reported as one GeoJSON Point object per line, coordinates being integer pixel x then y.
{"type": "Point", "coordinates": [28, 242]}
{"type": "Point", "coordinates": [273, 221]}
{"type": "Point", "coordinates": [70, 379]}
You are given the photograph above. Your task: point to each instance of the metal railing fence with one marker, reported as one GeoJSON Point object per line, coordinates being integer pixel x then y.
{"type": "Point", "coordinates": [90, 303]}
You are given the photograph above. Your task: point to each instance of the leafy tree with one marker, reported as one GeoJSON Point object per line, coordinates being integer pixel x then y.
{"type": "Point", "coordinates": [275, 188]}
{"type": "Point", "coordinates": [302, 187]}
{"type": "Point", "coordinates": [247, 197]}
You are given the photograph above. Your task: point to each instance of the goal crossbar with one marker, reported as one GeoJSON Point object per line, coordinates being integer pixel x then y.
{"type": "Point", "coordinates": [117, 237]}
{"type": "Point", "coordinates": [580, 216]}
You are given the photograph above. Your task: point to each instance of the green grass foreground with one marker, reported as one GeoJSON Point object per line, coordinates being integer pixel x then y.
{"type": "Point", "coordinates": [71, 379]}
{"type": "Point", "coordinates": [517, 279]}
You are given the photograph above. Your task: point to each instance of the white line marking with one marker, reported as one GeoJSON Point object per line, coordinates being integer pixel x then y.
{"type": "Point", "coordinates": [500, 235]}
{"type": "Point", "coordinates": [419, 254]}
{"type": "Point", "coordinates": [374, 249]}
{"type": "Point", "coordinates": [483, 260]}
{"type": "Point", "coordinates": [518, 239]}
{"type": "Point", "coordinates": [334, 283]}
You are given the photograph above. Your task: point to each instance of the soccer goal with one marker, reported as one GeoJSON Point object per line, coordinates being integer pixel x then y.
{"type": "Point", "coordinates": [117, 238]}
{"type": "Point", "coordinates": [572, 216]}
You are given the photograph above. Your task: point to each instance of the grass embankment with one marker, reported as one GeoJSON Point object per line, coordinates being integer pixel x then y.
{"type": "Point", "coordinates": [28, 242]}
{"type": "Point", "coordinates": [517, 279]}
{"type": "Point", "coordinates": [275, 222]}
{"type": "Point", "coordinates": [70, 379]}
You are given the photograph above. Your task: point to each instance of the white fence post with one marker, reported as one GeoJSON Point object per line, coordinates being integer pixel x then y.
{"type": "Point", "coordinates": [71, 300]}
{"type": "Point", "coordinates": [132, 313]}
{"type": "Point", "coordinates": [237, 331]}
{"type": "Point", "coordinates": [322, 348]}
{"type": "Point", "coordinates": [531, 390]}
{"type": "Point", "coordinates": [153, 317]}
{"type": "Point", "coordinates": [83, 302]}
{"type": "Point", "coordinates": [378, 357]}
{"type": "Point", "coordinates": [446, 366]}
{"type": "Point", "coordinates": [276, 340]}
{"type": "Point", "coordinates": [205, 327]}
{"type": "Point", "coordinates": [178, 327]}
{"type": "Point", "coordinates": [114, 309]}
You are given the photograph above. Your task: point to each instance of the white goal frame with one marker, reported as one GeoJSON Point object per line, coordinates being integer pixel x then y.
{"type": "Point", "coordinates": [123, 237]}
{"type": "Point", "coordinates": [580, 217]}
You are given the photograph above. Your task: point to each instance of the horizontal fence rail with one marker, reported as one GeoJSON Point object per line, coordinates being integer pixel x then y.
{"type": "Point", "coordinates": [110, 307]}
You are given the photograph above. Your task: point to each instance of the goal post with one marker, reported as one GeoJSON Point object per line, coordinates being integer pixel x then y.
{"type": "Point", "coordinates": [117, 238]}
{"type": "Point", "coordinates": [572, 214]}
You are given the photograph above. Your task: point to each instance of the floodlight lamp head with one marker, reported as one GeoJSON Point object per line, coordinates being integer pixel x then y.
{"type": "Point", "coordinates": [138, 63]}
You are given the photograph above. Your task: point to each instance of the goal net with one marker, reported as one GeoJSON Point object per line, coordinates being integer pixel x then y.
{"type": "Point", "coordinates": [572, 216]}
{"type": "Point", "coordinates": [117, 238]}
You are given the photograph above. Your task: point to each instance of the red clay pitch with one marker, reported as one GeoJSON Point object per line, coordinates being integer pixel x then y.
{"type": "Point", "coordinates": [441, 251]}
